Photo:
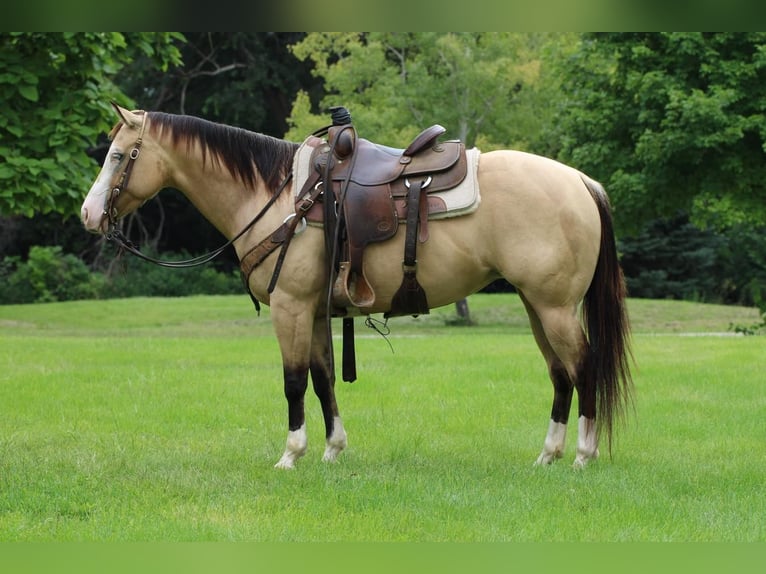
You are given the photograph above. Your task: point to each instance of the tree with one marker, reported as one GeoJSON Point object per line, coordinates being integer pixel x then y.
{"type": "Point", "coordinates": [671, 258]}
{"type": "Point", "coordinates": [395, 84]}
{"type": "Point", "coordinates": [57, 88]}
{"type": "Point", "coordinates": [670, 122]}
{"type": "Point", "coordinates": [245, 79]}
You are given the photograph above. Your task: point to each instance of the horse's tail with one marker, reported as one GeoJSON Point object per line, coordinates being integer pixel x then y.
{"type": "Point", "coordinates": [607, 368]}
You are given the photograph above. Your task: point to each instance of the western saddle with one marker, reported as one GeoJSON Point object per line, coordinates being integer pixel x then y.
{"type": "Point", "coordinates": [374, 187]}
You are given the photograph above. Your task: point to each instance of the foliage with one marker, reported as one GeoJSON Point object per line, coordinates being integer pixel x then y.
{"type": "Point", "coordinates": [134, 277]}
{"type": "Point", "coordinates": [245, 79]}
{"type": "Point", "coordinates": [51, 275]}
{"type": "Point", "coordinates": [480, 86]}
{"type": "Point", "coordinates": [48, 275]}
{"type": "Point", "coordinates": [242, 79]}
{"type": "Point", "coordinates": [752, 328]}
{"type": "Point", "coordinates": [670, 122]}
{"type": "Point", "coordinates": [746, 257]}
{"type": "Point", "coordinates": [673, 258]}
{"type": "Point", "coordinates": [57, 88]}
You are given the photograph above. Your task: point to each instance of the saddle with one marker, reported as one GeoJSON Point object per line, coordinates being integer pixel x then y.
{"type": "Point", "coordinates": [374, 188]}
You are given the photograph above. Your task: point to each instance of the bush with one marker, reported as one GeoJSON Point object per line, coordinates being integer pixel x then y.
{"type": "Point", "coordinates": [48, 274]}
{"type": "Point", "coordinates": [134, 277]}
{"type": "Point", "coordinates": [672, 259]}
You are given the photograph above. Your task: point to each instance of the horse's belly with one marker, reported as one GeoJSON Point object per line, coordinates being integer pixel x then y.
{"type": "Point", "coordinates": [450, 265]}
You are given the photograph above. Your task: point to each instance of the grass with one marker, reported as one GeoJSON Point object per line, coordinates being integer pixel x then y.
{"type": "Point", "coordinates": [160, 419]}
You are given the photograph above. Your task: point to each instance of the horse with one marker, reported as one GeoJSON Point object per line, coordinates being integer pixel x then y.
{"type": "Point", "coordinates": [542, 225]}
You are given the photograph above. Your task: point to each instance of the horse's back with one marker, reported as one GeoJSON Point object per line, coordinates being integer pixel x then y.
{"type": "Point", "coordinates": [532, 178]}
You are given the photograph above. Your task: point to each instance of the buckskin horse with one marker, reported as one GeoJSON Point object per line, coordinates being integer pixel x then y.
{"type": "Point", "coordinates": [544, 226]}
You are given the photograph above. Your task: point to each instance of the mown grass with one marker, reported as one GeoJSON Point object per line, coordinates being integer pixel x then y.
{"type": "Point", "coordinates": [160, 419]}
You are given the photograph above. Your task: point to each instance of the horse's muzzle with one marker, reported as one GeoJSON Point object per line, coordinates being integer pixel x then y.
{"type": "Point", "coordinates": [93, 222]}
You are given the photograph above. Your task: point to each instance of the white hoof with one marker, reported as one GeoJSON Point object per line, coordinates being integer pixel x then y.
{"type": "Point", "coordinates": [285, 463]}
{"type": "Point", "coordinates": [331, 453]}
{"type": "Point", "coordinates": [582, 460]}
{"type": "Point", "coordinates": [555, 441]}
{"type": "Point", "coordinates": [547, 457]}
{"type": "Point", "coordinates": [297, 443]}
{"type": "Point", "coordinates": [587, 443]}
{"type": "Point", "coordinates": [336, 443]}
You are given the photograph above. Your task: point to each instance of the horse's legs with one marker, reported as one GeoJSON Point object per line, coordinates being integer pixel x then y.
{"type": "Point", "coordinates": [563, 389]}
{"type": "Point", "coordinates": [296, 382]}
{"type": "Point", "coordinates": [323, 379]}
{"type": "Point", "coordinates": [294, 334]}
{"type": "Point", "coordinates": [562, 341]}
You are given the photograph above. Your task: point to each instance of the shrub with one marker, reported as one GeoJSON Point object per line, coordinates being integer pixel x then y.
{"type": "Point", "coordinates": [133, 277]}
{"type": "Point", "coordinates": [47, 275]}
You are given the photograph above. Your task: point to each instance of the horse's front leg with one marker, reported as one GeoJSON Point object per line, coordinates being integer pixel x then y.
{"type": "Point", "coordinates": [323, 378]}
{"type": "Point", "coordinates": [294, 332]}
{"type": "Point", "coordinates": [296, 381]}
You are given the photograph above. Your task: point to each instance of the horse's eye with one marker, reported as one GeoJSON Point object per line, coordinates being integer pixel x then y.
{"type": "Point", "coordinates": [117, 156]}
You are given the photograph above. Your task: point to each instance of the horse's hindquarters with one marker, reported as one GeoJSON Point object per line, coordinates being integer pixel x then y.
{"type": "Point", "coordinates": [542, 224]}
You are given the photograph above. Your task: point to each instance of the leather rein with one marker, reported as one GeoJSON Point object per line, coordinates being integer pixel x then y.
{"type": "Point", "coordinates": [116, 235]}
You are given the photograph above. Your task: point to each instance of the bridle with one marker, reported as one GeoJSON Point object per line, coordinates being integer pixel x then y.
{"type": "Point", "coordinates": [115, 234]}
{"type": "Point", "coordinates": [110, 211]}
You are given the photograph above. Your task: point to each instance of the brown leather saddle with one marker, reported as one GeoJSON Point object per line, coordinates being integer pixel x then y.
{"type": "Point", "coordinates": [374, 187]}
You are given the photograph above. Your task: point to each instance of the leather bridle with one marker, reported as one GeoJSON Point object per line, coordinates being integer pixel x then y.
{"type": "Point", "coordinates": [110, 210]}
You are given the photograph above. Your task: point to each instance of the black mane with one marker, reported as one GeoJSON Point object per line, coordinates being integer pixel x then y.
{"type": "Point", "coordinates": [243, 153]}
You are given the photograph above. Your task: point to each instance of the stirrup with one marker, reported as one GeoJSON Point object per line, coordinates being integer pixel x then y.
{"type": "Point", "coordinates": [348, 291]}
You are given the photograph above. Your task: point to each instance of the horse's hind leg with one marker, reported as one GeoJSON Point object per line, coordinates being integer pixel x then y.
{"type": "Point", "coordinates": [323, 379]}
{"type": "Point", "coordinates": [555, 439]}
{"type": "Point", "coordinates": [562, 341]}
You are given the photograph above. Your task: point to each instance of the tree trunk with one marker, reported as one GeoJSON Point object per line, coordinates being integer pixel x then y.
{"type": "Point", "coordinates": [463, 313]}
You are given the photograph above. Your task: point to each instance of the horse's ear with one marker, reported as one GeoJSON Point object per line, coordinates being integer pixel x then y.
{"type": "Point", "coordinates": [127, 117]}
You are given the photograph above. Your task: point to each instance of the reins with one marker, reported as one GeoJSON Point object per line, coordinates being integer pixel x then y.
{"type": "Point", "coordinates": [116, 235]}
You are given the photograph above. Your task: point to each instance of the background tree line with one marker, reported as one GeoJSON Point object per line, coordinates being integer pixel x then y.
{"type": "Point", "coordinates": [673, 124]}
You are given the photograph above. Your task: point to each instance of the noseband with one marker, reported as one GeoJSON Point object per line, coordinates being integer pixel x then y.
{"type": "Point", "coordinates": [110, 210]}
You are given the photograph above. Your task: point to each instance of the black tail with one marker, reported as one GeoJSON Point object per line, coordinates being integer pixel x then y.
{"type": "Point", "coordinates": [608, 327]}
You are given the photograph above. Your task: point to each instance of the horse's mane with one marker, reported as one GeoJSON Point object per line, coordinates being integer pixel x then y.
{"type": "Point", "coordinates": [242, 152]}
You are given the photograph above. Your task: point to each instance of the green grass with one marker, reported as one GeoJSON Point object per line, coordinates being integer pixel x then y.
{"type": "Point", "coordinates": [160, 419]}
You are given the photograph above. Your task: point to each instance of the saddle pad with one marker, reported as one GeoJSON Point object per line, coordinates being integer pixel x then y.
{"type": "Point", "coordinates": [464, 198]}
{"type": "Point", "coordinates": [460, 200]}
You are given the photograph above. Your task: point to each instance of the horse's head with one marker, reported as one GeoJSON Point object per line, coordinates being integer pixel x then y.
{"type": "Point", "coordinates": [125, 182]}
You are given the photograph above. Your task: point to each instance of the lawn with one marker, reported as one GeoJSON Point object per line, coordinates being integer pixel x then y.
{"type": "Point", "coordinates": [161, 419]}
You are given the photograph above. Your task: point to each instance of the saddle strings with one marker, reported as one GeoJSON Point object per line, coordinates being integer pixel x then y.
{"type": "Point", "coordinates": [381, 328]}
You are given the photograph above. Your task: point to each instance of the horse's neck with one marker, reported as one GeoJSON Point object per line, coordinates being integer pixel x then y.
{"type": "Point", "coordinates": [220, 197]}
